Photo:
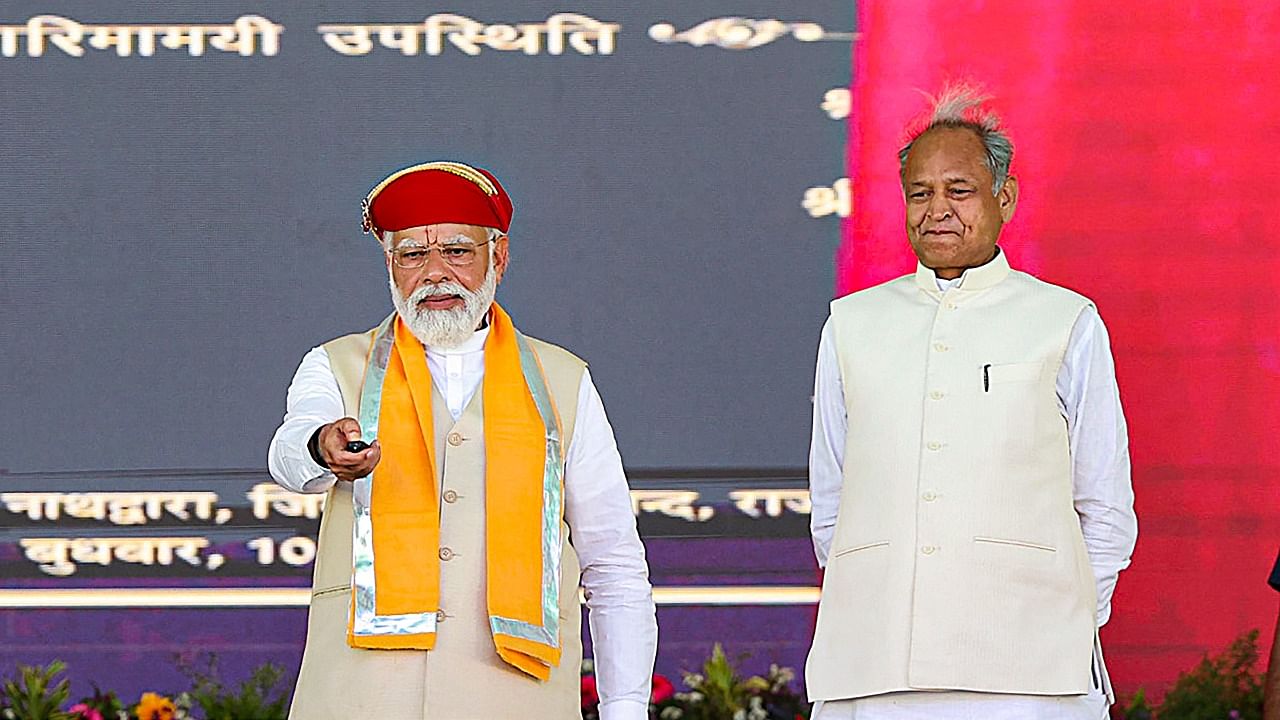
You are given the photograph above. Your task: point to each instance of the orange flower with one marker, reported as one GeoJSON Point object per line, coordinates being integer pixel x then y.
{"type": "Point", "coordinates": [154, 707]}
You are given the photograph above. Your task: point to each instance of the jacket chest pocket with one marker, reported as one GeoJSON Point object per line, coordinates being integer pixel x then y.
{"type": "Point", "coordinates": [1011, 405]}
{"type": "Point", "coordinates": [1007, 373]}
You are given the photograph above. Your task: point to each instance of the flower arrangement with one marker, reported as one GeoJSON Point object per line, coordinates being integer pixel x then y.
{"type": "Point", "coordinates": [262, 696]}
{"type": "Point", "coordinates": [154, 707]}
{"type": "Point", "coordinates": [1226, 686]}
{"type": "Point", "coordinates": [99, 706]}
{"type": "Point", "coordinates": [718, 692]}
{"type": "Point", "coordinates": [40, 694]}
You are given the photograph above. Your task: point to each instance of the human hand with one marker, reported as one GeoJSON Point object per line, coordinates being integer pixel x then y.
{"type": "Point", "coordinates": [332, 445]}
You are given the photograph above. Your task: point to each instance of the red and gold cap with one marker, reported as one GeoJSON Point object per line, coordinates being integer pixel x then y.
{"type": "Point", "coordinates": [437, 192]}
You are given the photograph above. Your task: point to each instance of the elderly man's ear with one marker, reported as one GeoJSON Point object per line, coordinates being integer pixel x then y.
{"type": "Point", "coordinates": [1008, 196]}
{"type": "Point", "coordinates": [501, 255]}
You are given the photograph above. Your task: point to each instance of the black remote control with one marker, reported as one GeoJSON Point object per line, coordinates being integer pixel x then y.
{"type": "Point", "coordinates": [356, 446]}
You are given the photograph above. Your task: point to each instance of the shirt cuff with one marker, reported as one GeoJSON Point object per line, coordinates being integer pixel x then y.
{"type": "Point", "coordinates": [625, 710]}
{"type": "Point", "coordinates": [319, 484]}
{"type": "Point", "coordinates": [319, 478]}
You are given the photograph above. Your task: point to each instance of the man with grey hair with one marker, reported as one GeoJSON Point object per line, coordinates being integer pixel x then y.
{"type": "Point", "coordinates": [473, 481]}
{"type": "Point", "coordinates": [969, 467]}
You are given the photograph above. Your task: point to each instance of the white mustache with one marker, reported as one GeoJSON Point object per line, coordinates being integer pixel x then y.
{"type": "Point", "coordinates": [444, 288]}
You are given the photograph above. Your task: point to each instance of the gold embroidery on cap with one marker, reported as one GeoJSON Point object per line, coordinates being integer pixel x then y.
{"type": "Point", "coordinates": [463, 171]}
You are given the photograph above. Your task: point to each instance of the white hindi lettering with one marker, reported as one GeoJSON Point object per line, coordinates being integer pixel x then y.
{"type": "Point", "coordinates": [775, 501]}
{"type": "Point", "coordinates": [584, 35]}
{"type": "Point", "coordinates": [347, 39]}
{"type": "Point", "coordinates": [119, 508]}
{"type": "Point", "coordinates": [9, 40]}
{"type": "Point", "coordinates": [37, 506]}
{"type": "Point", "coordinates": [462, 32]}
{"type": "Point", "coordinates": [50, 554]}
{"type": "Point", "coordinates": [672, 503]}
{"type": "Point", "coordinates": [838, 103]}
{"type": "Point", "coordinates": [121, 37]}
{"type": "Point", "coordinates": [582, 31]}
{"type": "Point", "coordinates": [64, 33]}
{"type": "Point", "coordinates": [241, 37]}
{"type": "Point", "coordinates": [59, 556]}
{"type": "Point", "coordinates": [835, 200]}
{"type": "Point", "coordinates": [266, 497]}
{"type": "Point", "coordinates": [405, 38]}
{"type": "Point", "coordinates": [526, 38]}
{"type": "Point", "coordinates": [252, 35]}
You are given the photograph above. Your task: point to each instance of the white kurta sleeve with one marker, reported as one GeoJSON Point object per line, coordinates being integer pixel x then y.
{"type": "Point", "coordinates": [1103, 490]}
{"type": "Point", "coordinates": [313, 400]}
{"type": "Point", "coordinates": [826, 451]}
{"type": "Point", "coordinates": [615, 575]}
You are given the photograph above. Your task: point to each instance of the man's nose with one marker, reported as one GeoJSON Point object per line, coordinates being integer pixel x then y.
{"type": "Point", "coordinates": [436, 270]}
{"type": "Point", "coordinates": [939, 208]}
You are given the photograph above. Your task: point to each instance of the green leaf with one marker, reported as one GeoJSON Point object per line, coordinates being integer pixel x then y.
{"type": "Point", "coordinates": [1220, 684]}
{"type": "Point", "coordinates": [38, 694]}
{"type": "Point", "coordinates": [261, 696]}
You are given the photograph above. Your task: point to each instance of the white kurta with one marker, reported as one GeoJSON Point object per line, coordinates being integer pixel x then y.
{"type": "Point", "coordinates": [1089, 400]}
{"type": "Point", "coordinates": [597, 509]}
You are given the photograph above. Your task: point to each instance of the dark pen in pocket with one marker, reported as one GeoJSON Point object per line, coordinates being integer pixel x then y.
{"type": "Point", "coordinates": [986, 378]}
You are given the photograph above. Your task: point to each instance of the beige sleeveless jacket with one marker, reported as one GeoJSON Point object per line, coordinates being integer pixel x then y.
{"type": "Point", "coordinates": [462, 678]}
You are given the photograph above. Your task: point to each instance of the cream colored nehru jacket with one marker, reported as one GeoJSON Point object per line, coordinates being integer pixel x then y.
{"type": "Point", "coordinates": [462, 678]}
{"type": "Point", "coordinates": [958, 561]}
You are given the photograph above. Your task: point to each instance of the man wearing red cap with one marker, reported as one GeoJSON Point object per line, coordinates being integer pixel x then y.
{"type": "Point", "coordinates": [446, 582]}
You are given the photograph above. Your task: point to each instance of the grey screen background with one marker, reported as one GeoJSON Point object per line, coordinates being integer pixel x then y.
{"type": "Point", "coordinates": [177, 232]}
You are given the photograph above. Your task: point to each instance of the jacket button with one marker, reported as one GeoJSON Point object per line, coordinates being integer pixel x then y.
{"type": "Point", "coordinates": [930, 496]}
{"type": "Point", "coordinates": [936, 395]}
{"type": "Point", "coordinates": [446, 554]}
{"type": "Point", "coordinates": [940, 347]}
{"type": "Point", "coordinates": [928, 549]}
{"type": "Point", "coordinates": [455, 439]}
{"type": "Point", "coordinates": [440, 616]}
{"type": "Point", "coordinates": [935, 446]}
{"type": "Point", "coordinates": [450, 496]}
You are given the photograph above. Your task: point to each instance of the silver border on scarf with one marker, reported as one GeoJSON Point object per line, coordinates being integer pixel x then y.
{"type": "Point", "coordinates": [553, 498]}
{"type": "Point", "coordinates": [366, 620]}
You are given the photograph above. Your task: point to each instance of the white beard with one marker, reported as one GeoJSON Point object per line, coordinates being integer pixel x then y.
{"type": "Point", "coordinates": [446, 328]}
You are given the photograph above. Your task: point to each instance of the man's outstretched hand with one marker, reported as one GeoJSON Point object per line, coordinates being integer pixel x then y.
{"type": "Point", "coordinates": [332, 445]}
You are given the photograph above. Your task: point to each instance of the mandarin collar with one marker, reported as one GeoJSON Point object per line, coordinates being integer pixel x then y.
{"type": "Point", "coordinates": [972, 279]}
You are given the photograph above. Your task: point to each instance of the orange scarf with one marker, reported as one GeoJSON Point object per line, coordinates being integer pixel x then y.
{"type": "Point", "coordinates": [396, 586]}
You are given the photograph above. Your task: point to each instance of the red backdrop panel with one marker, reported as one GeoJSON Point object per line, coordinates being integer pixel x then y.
{"type": "Point", "coordinates": [1149, 156]}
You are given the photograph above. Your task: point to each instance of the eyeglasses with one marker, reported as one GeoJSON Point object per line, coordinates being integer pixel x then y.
{"type": "Point", "coordinates": [459, 254]}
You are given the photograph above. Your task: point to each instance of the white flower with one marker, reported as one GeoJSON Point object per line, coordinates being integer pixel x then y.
{"type": "Point", "coordinates": [740, 715]}
{"type": "Point", "coordinates": [588, 666]}
{"type": "Point", "coordinates": [671, 713]}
